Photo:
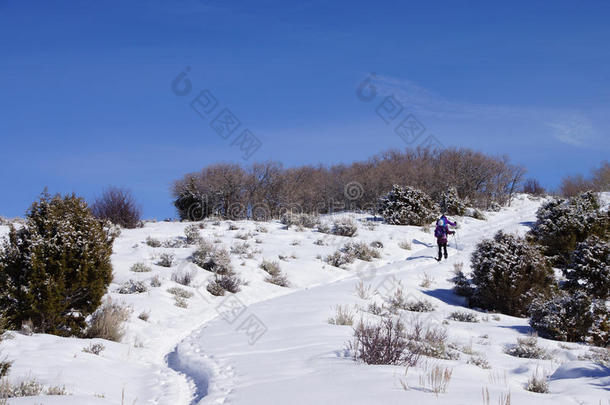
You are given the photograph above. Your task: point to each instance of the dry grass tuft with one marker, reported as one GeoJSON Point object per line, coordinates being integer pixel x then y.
{"type": "Point", "coordinates": [107, 321]}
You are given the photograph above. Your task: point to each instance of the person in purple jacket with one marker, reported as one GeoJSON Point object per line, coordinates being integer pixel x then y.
{"type": "Point", "coordinates": [441, 232]}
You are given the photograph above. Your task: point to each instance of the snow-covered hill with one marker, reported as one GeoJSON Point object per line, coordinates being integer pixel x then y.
{"type": "Point", "coordinates": [270, 344]}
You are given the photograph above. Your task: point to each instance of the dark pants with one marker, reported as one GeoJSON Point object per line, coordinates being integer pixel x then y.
{"type": "Point", "coordinates": [442, 248]}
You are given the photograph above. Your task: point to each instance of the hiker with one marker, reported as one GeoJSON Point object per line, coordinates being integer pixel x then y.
{"type": "Point", "coordinates": [441, 232]}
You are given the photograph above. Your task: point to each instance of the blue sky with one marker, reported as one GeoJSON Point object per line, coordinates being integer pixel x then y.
{"type": "Point", "coordinates": [86, 99]}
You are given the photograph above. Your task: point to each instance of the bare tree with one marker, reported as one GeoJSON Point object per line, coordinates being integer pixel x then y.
{"type": "Point", "coordinates": [533, 187]}
{"type": "Point", "coordinates": [573, 185]}
{"type": "Point", "coordinates": [118, 206]}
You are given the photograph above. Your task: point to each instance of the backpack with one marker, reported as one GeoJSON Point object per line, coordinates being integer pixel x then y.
{"type": "Point", "coordinates": [439, 232]}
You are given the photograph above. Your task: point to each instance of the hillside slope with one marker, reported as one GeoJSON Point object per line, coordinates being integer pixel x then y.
{"type": "Point", "coordinates": [300, 358]}
{"type": "Point", "coordinates": [271, 344]}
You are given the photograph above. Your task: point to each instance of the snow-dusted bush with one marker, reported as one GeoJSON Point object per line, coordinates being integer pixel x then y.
{"type": "Point", "coordinates": [360, 250]}
{"type": "Point", "coordinates": [226, 282]}
{"type": "Point", "coordinates": [27, 388]}
{"type": "Point", "coordinates": [323, 227]}
{"type": "Point", "coordinates": [202, 252]}
{"type": "Point", "coordinates": [304, 220]}
{"type": "Point", "coordinates": [404, 244]}
{"type": "Point", "coordinates": [370, 225]}
{"type": "Point", "coordinates": [344, 227]}
{"type": "Point", "coordinates": [538, 383]}
{"type": "Point", "coordinates": [153, 242]}
{"type": "Point", "coordinates": [571, 317]}
{"type": "Point", "coordinates": [132, 287]}
{"type": "Point", "coordinates": [55, 269]}
{"type": "Point", "coordinates": [450, 202]}
{"type": "Point", "coordinates": [118, 206]}
{"type": "Point", "coordinates": [599, 355]}
{"type": "Point", "coordinates": [589, 268]}
{"type": "Point", "coordinates": [463, 316]}
{"type": "Point", "coordinates": [180, 302]}
{"type": "Point", "coordinates": [507, 274]}
{"type": "Point", "coordinates": [270, 267]}
{"type": "Point", "coordinates": [107, 322]}
{"type": "Point", "coordinates": [278, 279]}
{"type": "Point", "coordinates": [244, 236]}
{"type": "Point", "coordinates": [479, 361]}
{"type": "Point", "coordinates": [140, 268]}
{"type": "Point", "coordinates": [382, 343]}
{"type": "Point", "coordinates": [339, 259]}
{"type": "Point", "coordinates": [179, 292]}
{"type": "Point", "coordinates": [192, 234]}
{"type": "Point", "coordinates": [208, 257]}
{"type": "Point", "coordinates": [240, 248]}
{"type": "Point", "coordinates": [219, 262]}
{"type": "Point", "coordinates": [184, 278]}
{"type": "Point", "coordinates": [275, 274]}
{"type": "Point", "coordinates": [375, 309]}
{"type": "Point", "coordinates": [215, 288]}
{"type": "Point", "coordinates": [166, 260]}
{"type": "Point", "coordinates": [174, 243]}
{"type": "Point", "coordinates": [527, 348]}
{"type": "Point", "coordinates": [155, 281]}
{"type": "Point", "coordinates": [94, 348]}
{"type": "Point", "coordinates": [407, 206]}
{"type": "Point", "coordinates": [429, 340]}
{"type": "Point", "coordinates": [5, 367]}
{"type": "Point", "coordinates": [419, 306]}
{"type": "Point", "coordinates": [562, 224]}
{"type": "Point", "coordinates": [398, 301]}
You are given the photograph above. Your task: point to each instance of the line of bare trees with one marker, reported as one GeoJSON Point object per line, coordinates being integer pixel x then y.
{"type": "Point", "coordinates": [267, 190]}
{"type": "Point", "coordinates": [599, 180]}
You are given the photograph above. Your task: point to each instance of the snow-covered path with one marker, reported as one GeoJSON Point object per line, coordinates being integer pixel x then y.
{"type": "Point", "coordinates": [301, 359]}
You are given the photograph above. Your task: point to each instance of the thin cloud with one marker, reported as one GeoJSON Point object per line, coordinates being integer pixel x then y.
{"type": "Point", "coordinates": [577, 131]}
{"type": "Point", "coordinates": [567, 126]}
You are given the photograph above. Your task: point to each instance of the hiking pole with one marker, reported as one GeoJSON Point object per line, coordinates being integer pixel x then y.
{"type": "Point", "coordinates": [455, 240]}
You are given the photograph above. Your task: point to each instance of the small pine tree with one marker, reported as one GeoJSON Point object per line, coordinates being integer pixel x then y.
{"type": "Point", "coordinates": [191, 204]}
{"type": "Point", "coordinates": [56, 268]}
{"type": "Point", "coordinates": [450, 202]}
{"type": "Point", "coordinates": [562, 224]}
{"type": "Point", "coordinates": [408, 206]}
{"type": "Point", "coordinates": [571, 317]}
{"type": "Point", "coordinates": [507, 274]}
{"type": "Point", "coordinates": [589, 268]}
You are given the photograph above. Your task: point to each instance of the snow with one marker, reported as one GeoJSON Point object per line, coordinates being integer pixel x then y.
{"type": "Point", "coordinates": [268, 344]}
